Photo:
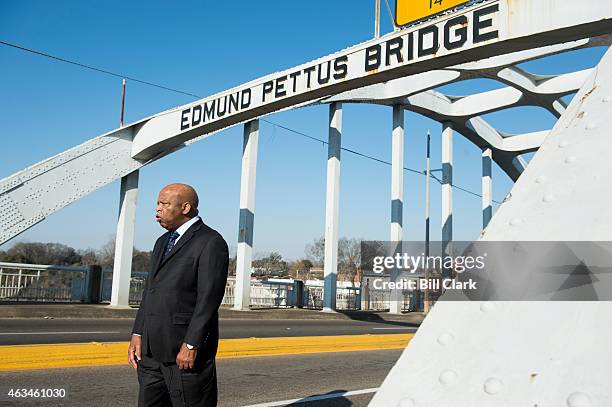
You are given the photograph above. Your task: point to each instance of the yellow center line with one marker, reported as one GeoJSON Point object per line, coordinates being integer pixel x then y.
{"type": "Point", "coordinates": [61, 355]}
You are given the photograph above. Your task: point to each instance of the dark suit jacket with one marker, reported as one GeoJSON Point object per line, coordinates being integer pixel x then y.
{"type": "Point", "coordinates": [183, 293]}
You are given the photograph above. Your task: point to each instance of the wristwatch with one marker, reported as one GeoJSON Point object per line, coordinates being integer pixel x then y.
{"type": "Point", "coordinates": [190, 347]}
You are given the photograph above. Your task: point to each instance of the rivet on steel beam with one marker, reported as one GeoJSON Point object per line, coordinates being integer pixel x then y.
{"type": "Point", "coordinates": [570, 159]}
{"type": "Point", "coordinates": [548, 198]}
{"type": "Point", "coordinates": [578, 399]}
{"type": "Point", "coordinates": [493, 386]}
{"type": "Point", "coordinates": [591, 126]}
{"type": "Point", "coordinates": [563, 144]}
{"type": "Point", "coordinates": [407, 402]}
{"type": "Point", "coordinates": [447, 377]}
{"type": "Point", "coordinates": [445, 338]}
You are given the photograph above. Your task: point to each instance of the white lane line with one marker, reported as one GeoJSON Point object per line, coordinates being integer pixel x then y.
{"type": "Point", "coordinates": [316, 398]}
{"type": "Point", "coordinates": [60, 333]}
{"type": "Point", "coordinates": [396, 327]}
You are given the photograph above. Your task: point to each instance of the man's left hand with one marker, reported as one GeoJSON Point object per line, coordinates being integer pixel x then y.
{"type": "Point", "coordinates": [186, 358]}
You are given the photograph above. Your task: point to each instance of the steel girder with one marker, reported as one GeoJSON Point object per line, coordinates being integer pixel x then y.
{"type": "Point", "coordinates": [523, 89]}
{"type": "Point", "coordinates": [545, 353]}
{"type": "Point", "coordinates": [29, 196]}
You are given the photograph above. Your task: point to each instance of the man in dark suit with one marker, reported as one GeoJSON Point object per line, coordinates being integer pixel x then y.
{"type": "Point", "coordinates": [176, 331]}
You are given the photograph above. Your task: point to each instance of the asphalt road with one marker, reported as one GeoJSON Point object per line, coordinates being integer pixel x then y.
{"type": "Point", "coordinates": [20, 331]}
{"type": "Point", "coordinates": [242, 382]}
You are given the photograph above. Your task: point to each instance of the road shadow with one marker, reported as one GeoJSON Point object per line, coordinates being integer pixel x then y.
{"type": "Point", "coordinates": [374, 316]}
{"type": "Point", "coordinates": [334, 398]}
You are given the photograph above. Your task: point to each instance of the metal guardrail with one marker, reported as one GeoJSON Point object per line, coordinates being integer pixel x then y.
{"type": "Point", "coordinates": [44, 283]}
{"type": "Point", "coordinates": [272, 294]}
{"type": "Point", "coordinates": [347, 298]}
{"type": "Point", "coordinates": [378, 300]}
{"type": "Point", "coordinates": [277, 294]}
{"type": "Point", "coordinates": [137, 282]}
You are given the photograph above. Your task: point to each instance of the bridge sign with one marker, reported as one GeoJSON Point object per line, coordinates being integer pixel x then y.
{"type": "Point", "coordinates": [409, 11]}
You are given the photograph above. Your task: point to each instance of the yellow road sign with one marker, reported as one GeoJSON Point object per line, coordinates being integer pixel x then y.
{"type": "Point", "coordinates": [409, 11]}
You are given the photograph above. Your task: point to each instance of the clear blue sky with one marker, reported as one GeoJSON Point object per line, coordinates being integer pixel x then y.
{"type": "Point", "coordinates": [205, 47]}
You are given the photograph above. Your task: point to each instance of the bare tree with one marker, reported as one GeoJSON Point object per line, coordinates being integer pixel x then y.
{"type": "Point", "coordinates": [315, 252]}
{"type": "Point", "coordinates": [349, 259]}
{"type": "Point", "coordinates": [232, 265]}
{"type": "Point", "coordinates": [349, 256]}
{"type": "Point", "coordinates": [106, 257]}
{"type": "Point", "coordinates": [89, 257]}
{"type": "Point", "coordinates": [300, 268]}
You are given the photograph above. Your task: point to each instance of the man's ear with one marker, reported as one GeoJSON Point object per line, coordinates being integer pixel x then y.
{"type": "Point", "coordinates": [186, 208]}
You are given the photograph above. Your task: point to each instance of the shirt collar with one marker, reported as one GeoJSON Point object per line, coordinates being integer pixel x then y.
{"type": "Point", "coordinates": [183, 228]}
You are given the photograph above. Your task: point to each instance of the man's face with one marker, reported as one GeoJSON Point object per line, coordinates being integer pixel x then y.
{"type": "Point", "coordinates": [169, 211]}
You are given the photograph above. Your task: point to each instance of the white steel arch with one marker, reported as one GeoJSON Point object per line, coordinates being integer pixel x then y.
{"type": "Point", "coordinates": [524, 89]}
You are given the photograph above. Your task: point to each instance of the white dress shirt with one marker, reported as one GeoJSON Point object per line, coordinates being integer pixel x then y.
{"type": "Point", "coordinates": [183, 228]}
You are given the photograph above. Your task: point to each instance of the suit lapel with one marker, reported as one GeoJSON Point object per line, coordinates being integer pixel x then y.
{"type": "Point", "coordinates": [189, 233]}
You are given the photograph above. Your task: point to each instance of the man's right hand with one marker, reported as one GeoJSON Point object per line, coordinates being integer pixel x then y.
{"type": "Point", "coordinates": [134, 351]}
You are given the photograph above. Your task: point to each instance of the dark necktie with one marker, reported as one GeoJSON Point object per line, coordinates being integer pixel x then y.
{"type": "Point", "coordinates": [173, 236]}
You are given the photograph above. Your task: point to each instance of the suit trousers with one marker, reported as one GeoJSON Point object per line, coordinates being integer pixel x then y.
{"type": "Point", "coordinates": [164, 384]}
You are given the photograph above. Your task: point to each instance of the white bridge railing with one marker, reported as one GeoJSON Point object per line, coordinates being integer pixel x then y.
{"type": "Point", "coordinates": [278, 294]}
{"type": "Point", "coordinates": [46, 283]}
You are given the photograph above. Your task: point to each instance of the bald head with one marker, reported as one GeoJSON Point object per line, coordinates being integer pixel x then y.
{"type": "Point", "coordinates": [184, 193]}
{"type": "Point", "coordinates": [176, 204]}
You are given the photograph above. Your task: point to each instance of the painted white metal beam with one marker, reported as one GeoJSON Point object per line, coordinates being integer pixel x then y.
{"type": "Point", "coordinates": [487, 188]}
{"type": "Point", "coordinates": [524, 89]}
{"type": "Point", "coordinates": [32, 194]}
{"type": "Point", "coordinates": [246, 223]}
{"type": "Point", "coordinates": [397, 174]}
{"type": "Point", "coordinates": [546, 353]}
{"type": "Point", "coordinates": [124, 242]}
{"type": "Point", "coordinates": [332, 208]}
{"type": "Point", "coordinates": [397, 196]}
{"type": "Point", "coordinates": [447, 188]}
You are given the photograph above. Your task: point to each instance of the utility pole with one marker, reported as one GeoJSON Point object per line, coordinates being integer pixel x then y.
{"type": "Point", "coordinates": [122, 104]}
{"type": "Point", "coordinates": [427, 198]}
{"type": "Point", "coordinates": [377, 20]}
{"type": "Point", "coordinates": [427, 303]}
